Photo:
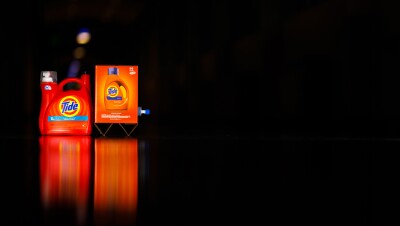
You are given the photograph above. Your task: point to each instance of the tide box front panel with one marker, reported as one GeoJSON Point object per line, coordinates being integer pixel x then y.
{"type": "Point", "coordinates": [116, 94]}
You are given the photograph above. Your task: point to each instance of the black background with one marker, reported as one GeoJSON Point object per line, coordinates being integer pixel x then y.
{"type": "Point", "coordinates": [303, 67]}
{"type": "Point", "coordinates": [318, 68]}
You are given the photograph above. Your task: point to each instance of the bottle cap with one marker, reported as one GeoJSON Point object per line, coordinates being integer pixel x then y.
{"type": "Point", "coordinates": [113, 71]}
{"type": "Point", "coordinates": [48, 76]}
{"type": "Point", "coordinates": [142, 111]}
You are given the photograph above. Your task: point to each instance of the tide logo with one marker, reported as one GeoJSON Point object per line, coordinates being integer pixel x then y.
{"type": "Point", "coordinates": [69, 106]}
{"type": "Point", "coordinates": [112, 91]}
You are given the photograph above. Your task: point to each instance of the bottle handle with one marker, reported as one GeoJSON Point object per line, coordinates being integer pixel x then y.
{"type": "Point", "coordinates": [71, 80]}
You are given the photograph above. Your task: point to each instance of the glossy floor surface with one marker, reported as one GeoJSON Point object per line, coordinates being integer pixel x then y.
{"type": "Point", "coordinates": [198, 180]}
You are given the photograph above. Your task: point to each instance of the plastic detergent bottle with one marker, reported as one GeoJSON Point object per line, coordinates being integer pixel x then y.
{"type": "Point", "coordinates": [116, 93]}
{"type": "Point", "coordinates": [67, 110]}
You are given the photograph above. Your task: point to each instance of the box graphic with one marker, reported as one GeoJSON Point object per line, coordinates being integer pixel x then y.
{"type": "Point", "coordinates": [116, 94]}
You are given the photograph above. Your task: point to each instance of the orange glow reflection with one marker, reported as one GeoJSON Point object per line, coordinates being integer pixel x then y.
{"type": "Point", "coordinates": [65, 172]}
{"type": "Point", "coordinates": [115, 180]}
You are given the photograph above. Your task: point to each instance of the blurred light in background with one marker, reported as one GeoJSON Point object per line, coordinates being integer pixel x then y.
{"type": "Point", "coordinates": [74, 68]}
{"type": "Point", "coordinates": [83, 36]}
{"type": "Point", "coordinates": [79, 52]}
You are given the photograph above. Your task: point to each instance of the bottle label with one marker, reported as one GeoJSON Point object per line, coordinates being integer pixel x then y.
{"type": "Point", "coordinates": [69, 107]}
{"type": "Point", "coordinates": [113, 93]}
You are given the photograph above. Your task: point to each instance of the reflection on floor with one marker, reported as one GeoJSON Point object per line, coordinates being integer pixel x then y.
{"type": "Point", "coordinates": [65, 173]}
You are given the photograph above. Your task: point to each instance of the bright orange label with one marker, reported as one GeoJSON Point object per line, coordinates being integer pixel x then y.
{"type": "Point", "coordinates": [116, 94]}
{"type": "Point", "coordinates": [68, 108]}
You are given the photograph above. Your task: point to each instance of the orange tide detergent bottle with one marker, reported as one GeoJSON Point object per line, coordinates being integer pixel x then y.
{"type": "Point", "coordinates": [116, 93]}
{"type": "Point", "coordinates": [66, 108]}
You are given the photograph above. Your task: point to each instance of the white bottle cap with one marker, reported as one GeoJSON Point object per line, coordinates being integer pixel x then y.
{"type": "Point", "coordinates": [48, 76]}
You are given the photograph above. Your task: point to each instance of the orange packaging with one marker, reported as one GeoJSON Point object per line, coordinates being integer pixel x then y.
{"type": "Point", "coordinates": [116, 94]}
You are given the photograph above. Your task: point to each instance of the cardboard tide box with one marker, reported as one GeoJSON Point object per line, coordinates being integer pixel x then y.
{"type": "Point", "coordinates": [116, 94]}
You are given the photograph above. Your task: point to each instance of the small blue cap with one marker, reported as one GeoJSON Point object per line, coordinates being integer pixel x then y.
{"type": "Point", "coordinates": [113, 71]}
{"type": "Point", "coordinates": [143, 111]}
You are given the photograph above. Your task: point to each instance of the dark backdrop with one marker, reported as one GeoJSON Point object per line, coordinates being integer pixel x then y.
{"type": "Point", "coordinates": [292, 67]}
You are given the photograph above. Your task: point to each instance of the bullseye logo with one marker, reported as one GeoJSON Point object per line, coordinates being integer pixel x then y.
{"type": "Point", "coordinates": [69, 106]}
{"type": "Point", "coordinates": [112, 91]}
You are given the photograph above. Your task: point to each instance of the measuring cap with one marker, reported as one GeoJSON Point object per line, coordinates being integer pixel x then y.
{"type": "Point", "coordinates": [48, 76]}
